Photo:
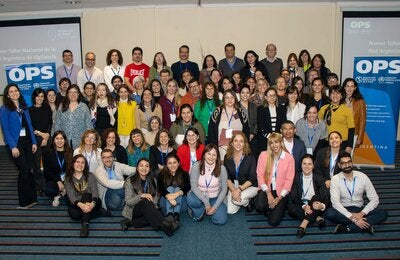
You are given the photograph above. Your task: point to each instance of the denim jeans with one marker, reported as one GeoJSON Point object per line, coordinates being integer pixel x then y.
{"type": "Point", "coordinates": [220, 217]}
{"type": "Point", "coordinates": [115, 199]}
{"type": "Point", "coordinates": [181, 204]}
{"type": "Point", "coordinates": [376, 216]}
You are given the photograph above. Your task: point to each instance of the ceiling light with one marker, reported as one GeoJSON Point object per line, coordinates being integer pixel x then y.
{"type": "Point", "coordinates": [73, 2]}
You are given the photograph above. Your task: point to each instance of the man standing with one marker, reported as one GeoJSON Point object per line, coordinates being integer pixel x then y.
{"type": "Point", "coordinates": [347, 190]}
{"type": "Point", "coordinates": [136, 68]}
{"type": "Point", "coordinates": [68, 69]}
{"type": "Point", "coordinates": [184, 64]}
{"type": "Point", "coordinates": [165, 75]}
{"type": "Point", "coordinates": [294, 146]}
{"type": "Point", "coordinates": [273, 64]}
{"type": "Point", "coordinates": [89, 72]}
{"type": "Point", "coordinates": [231, 63]}
{"type": "Point", "coordinates": [110, 181]}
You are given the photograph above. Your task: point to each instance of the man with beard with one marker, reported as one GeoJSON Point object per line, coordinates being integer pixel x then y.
{"type": "Point", "coordinates": [347, 190]}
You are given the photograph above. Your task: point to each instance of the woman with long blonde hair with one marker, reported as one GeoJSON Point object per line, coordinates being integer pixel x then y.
{"type": "Point", "coordinates": [275, 174]}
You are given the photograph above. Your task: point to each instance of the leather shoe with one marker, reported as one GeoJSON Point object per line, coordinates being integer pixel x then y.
{"type": "Point", "coordinates": [176, 218]}
{"type": "Point", "coordinates": [371, 230]}
{"type": "Point", "coordinates": [167, 227]}
{"type": "Point", "coordinates": [300, 232]}
{"type": "Point", "coordinates": [321, 224]}
{"type": "Point", "coordinates": [250, 207]}
{"type": "Point", "coordinates": [340, 229]}
{"type": "Point", "coordinates": [125, 224]}
{"type": "Point", "coordinates": [106, 213]}
{"type": "Point", "coordinates": [84, 230]}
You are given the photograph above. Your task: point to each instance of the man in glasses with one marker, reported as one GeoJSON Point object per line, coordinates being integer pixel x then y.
{"type": "Point", "coordinates": [90, 72]}
{"type": "Point", "coordinates": [347, 190]}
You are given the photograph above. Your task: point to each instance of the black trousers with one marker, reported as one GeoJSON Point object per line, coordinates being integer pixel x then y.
{"type": "Point", "coordinates": [26, 182]}
{"type": "Point", "coordinates": [296, 211]}
{"type": "Point", "coordinates": [37, 159]}
{"type": "Point", "coordinates": [51, 189]}
{"type": "Point", "coordinates": [276, 214]}
{"type": "Point", "coordinates": [145, 213]}
{"type": "Point", "coordinates": [76, 213]}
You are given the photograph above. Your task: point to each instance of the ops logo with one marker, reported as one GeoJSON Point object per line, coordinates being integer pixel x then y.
{"type": "Point", "coordinates": [23, 73]}
{"type": "Point", "coordinates": [360, 25]}
{"type": "Point", "coordinates": [377, 66]}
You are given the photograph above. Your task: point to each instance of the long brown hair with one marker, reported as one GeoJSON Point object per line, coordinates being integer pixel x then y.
{"type": "Point", "coordinates": [131, 145]}
{"type": "Point", "coordinates": [136, 180]}
{"type": "Point", "coordinates": [230, 150]}
{"type": "Point", "coordinates": [218, 163]}
{"type": "Point", "coordinates": [166, 176]}
{"type": "Point", "coordinates": [67, 148]}
{"type": "Point", "coordinates": [328, 151]}
{"type": "Point", "coordinates": [71, 170]}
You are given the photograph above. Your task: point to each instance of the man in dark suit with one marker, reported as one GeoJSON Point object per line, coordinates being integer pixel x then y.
{"type": "Point", "coordinates": [294, 146]}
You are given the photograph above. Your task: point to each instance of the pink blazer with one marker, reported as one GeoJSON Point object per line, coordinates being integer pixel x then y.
{"type": "Point", "coordinates": [285, 176]}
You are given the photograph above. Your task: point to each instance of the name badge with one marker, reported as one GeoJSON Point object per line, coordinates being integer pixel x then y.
{"type": "Point", "coordinates": [236, 183]}
{"type": "Point", "coordinates": [309, 150]}
{"type": "Point", "coordinates": [62, 177]}
{"type": "Point", "coordinates": [229, 133]}
{"type": "Point", "coordinates": [172, 117]}
{"type": "Point", "coordinates": [179, 139]}
{"type": "Point", "coordinates": [22, 132]}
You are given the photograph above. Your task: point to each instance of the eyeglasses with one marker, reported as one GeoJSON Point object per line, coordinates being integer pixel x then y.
{"type": "Point", "coordinates": [346, 163]}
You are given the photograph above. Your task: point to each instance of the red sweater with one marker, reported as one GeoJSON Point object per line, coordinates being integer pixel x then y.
{"type": "Point", "coordinates": [183, 153]}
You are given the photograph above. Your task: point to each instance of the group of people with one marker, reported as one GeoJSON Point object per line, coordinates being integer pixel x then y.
{"type": "Point", "coordinates": [158, 141]}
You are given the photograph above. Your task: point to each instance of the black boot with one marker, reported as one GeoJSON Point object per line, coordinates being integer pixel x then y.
{"type": "Point", "coordinates": [84, 230]}
{"type": "Point", "coordinates": [250, 208]}
{"type": "Point", "coordinates": [177, 218]}
{"type": "Point", "coordinates": [125, 224]}
{"type": "Point", "coordinates": [167, 227]}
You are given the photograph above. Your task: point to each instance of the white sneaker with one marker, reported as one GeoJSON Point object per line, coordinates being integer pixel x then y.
{"type": "Point", "coordinates": [56, 201]}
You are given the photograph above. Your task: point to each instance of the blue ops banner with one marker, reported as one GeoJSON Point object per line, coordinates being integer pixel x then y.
{"type": "Point", "coordinates": [379, 81]}
{"type": "Point", "coordinates": [31, 76]}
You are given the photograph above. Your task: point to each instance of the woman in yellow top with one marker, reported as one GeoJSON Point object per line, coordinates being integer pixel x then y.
{"type": "Point", "coordinates": [338, 117]}
{"type": "Point", "coordinates": [125, 114]}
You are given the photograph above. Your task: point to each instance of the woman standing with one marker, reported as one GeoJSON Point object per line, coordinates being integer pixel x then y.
{"type": "Point", "coordinates": [242, 176]}
{"type": "Point", "coordinates": [111, 141]}
{"type": "Point", "coordinates": [157, 90]}
{"type": "Point", "coordinates": [173, 184]}
{"type": "Point", "coordinates": [145, 110]}
{"type": "Point", "coordinates": [170, 104]}
{"type": "Point", "coordinates": [140, 202]}
{"type": "Point", "coordinates": [311, 130]}
{"type": "Point", "coordinates": [51, 102]}
{"type": "Point", "coordinates": [294, 69]}
{"type": "Point", "coordinates": [21, 142]}
{"type": "Point", "coordinates": [208, 180]}
{"type": "Point", "coordinates": [318, 63]}
{"type": "Point", "coordinates": [55, 165]}
{"type": "Point", "coordinates": [355, 101]}
{"type": "Point", "coordinates": [89, 92]}
{"type": "Point", "coordinates": [159, 63]}
{"type": "Point", "coordinates": [251, 65]}
{"type": "Point", "coordinates": [73, 116]}
{"type": "Point", "coordinates": [191, 150]}
{"type": "Point", "coordinates": [326, 160]}
{"type": "Point", "coordinates": [250, 109]}
{"type": "Point", "coordinates": [275, 174]}
{"type": "Point", "coordinates": [309, 197]}
{"type": "Point", "coordinates": [209, 64]}
{"type": "Point", "coordinates": [152, 130]}
{"type": "Point", "coordinates": [186, 120]}
{"type": "Point", "coordinates": [270, 116]}
{"type": "Point", "coordinates": [137, 147]}
{"type": "Point", "coordinates": [206, 105]}
{"type": "Point", "coordinates": [339, 117]}
{"type": "Point", "coordinates": [295, 109]}
{"type": "Point", "coordinates": [162, 148]}
{"type": "Point", "coordinates": [42, 121]}
{"type": "Point", "coordinates": [299, 84]}
{"type": "Point", "coordinates": [259, 95]}
{"type": "Point", "coordinates": [81, 188]}
{"type": "Point", "coordinates": [125, 114]}
{"type": "Point", "coordinates": [304, 60]}
{"type": "Point", "coordinates": [102, 109]}
{"type": "Point", "coordinates": [90, 149]}
{"type": "Point", "coordinates": [227, 120]}
{"type": "Point", "coordinates": [114, 61]}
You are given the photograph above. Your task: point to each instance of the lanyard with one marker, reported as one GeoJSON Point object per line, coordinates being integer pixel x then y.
{"type": "Point", "coordinates": [210, 107]}
{"type": "Point", "coordinates": [237, 167]}
{"type": "Point", "coordinates": [146, 186]}
{"type": "Point", "coordinates": [110, 171]}
{"type": "Point", "coordinates": [88, 156]}
{"type": "Point", "coordinates": [231, 64]}
{"type": "Point", "coordinates": [332, 165]}
{"type": "Point", "coordinates": [163, 155]}
{"type": "Point", "coordinates": [172, 104]}
{"type": "Point", "coordinates": [185, 129]}
{"type": "Point", "coordinates": [310, 139]}
{"type": "Point", "coordinates": [352, 191]}
{"type": "Point", "coordinates": [60, 163]}
{"type": "Point", "coordinates": [229, 119]}
{"type": "Point", "coordinates": [208, 184]}
{"type": "Point", "coordinates": [116, 73]}
{"type": "Point", "coordinates": [66, 71]}
{"type": "Point", "coordinates": [193, 158]}
{"type": "Point", "coordinates": [91, 75]}
{"type": "Point", "coordinates": [186, 67]}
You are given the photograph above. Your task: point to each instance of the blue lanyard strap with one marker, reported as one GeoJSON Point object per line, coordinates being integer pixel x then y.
{"type": "Point", "coordinates": [172, 104]}
{"type": "Point", "coordinates": [66, 71]}
{"type": "Point", "coordinates": [163, 155]}
{"type": "Point", "coordinates": [229, 118]}
{"type": "Point", "coordinates": [146, 186]}
{"type": "Point", "coordinates": [60, 163]}
{"type": "Point", "coordinates": [351, 193]}
{"type": "Point", "coordinates": [310, 138]}
{"type": "Point", "coordinates": [210, 107]}
{"type": "Point", "coordinates": [237, 167]}
{"type": "Point", "coordinates": [208, 184]}
{"type": "Point", "coordinates": [88, 78]}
